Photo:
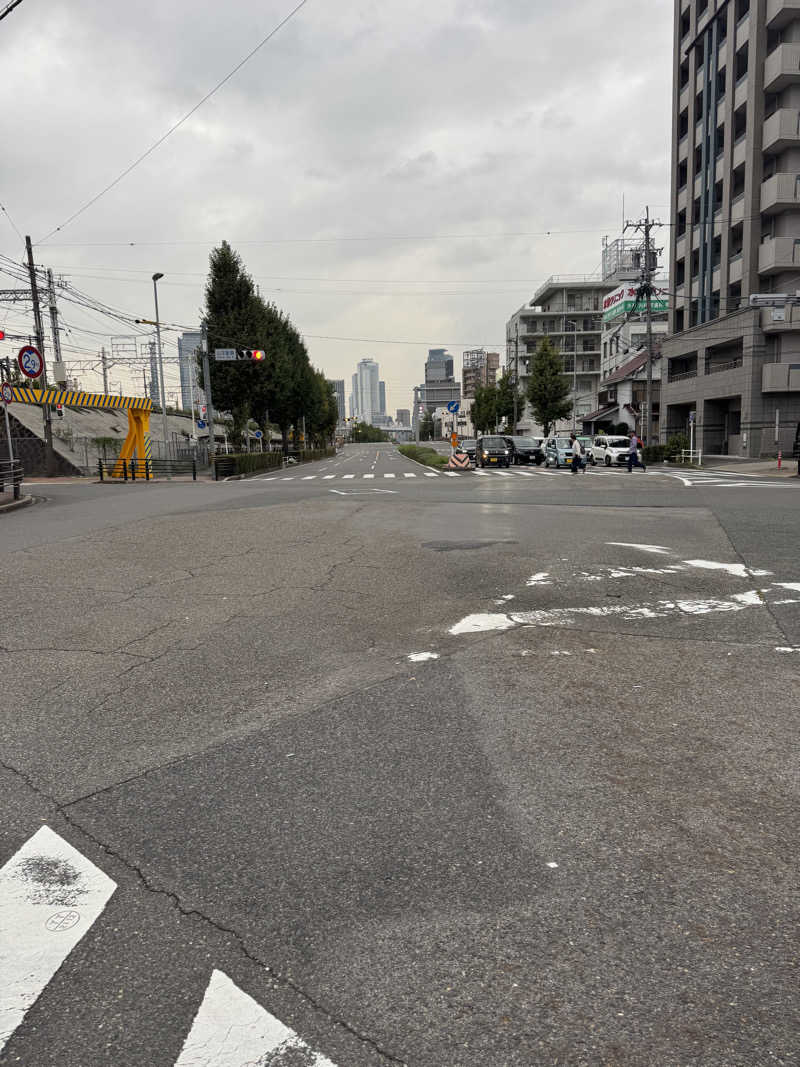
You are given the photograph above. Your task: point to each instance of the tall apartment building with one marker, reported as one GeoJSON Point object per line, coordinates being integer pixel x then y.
{"type": "Point", "coordinates": [478, 368]}
{"type": "Point", "coordinates": [338, 388]}
{"type": "Point", "coordinates": [382, 398]}
{"type": "Point", "coordinates": [735, 213]}
{"type": "Point", "coordinates": [191, 393]}
{"type": "Point", "coordinates": [568, 310]}
{"type": "Point", "coordinates": [366, 390]}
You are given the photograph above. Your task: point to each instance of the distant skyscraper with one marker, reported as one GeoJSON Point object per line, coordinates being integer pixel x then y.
{"type": "Point", "coordinates": [439, 366]}
{"type": "Point", "coordinates": [382, 397]}
{"type": "Point", "coordinates": [403, 417]}
{"type": "Point", "coordinates": [338, 388]}
{"type": "Point", "coordinates": [366, 389]}
{"type": "Point", "coordinates": [356, 411]}
{"type": "Point", "coordinates": [188, 343]}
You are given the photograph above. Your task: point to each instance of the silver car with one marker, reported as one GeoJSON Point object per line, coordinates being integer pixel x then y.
{"type": "Point", "coordinates": [558, 452]}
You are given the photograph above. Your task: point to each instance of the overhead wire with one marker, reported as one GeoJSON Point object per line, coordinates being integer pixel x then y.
{"type": "Point", "coordinates": [176, 125]}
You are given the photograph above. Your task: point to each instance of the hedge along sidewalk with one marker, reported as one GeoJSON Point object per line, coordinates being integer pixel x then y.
{"type": "Point", "coordinates": [426, 457]}
{"type": "Point", "coordinates": [245, 464]}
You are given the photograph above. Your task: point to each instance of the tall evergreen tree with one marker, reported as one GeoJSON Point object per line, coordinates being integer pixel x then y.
{"type": "Point", "coordinates": [548, 387]}
{"type": "Point", "coordinates": [483, 410]}
{"type": "Point", "coordinates": [504, 402]}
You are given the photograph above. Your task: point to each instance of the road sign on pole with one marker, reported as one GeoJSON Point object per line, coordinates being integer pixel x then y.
{"type": "Point", "coordinates": [453, 406]}
{"type": "Point", "coordinates": [30, 362]}
{"type": "Point", "coordinates": [201, 424]}
{"type": "Point", "coordinates": [7, 392]}
{"type": "Point", "coordinates": [258, 435]}
{"type": "Point", "coordinates": [224, 354]}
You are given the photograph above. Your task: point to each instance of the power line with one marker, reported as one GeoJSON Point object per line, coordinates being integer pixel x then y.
{"type": "Point", "coordinates": [176, 125]}
{"type": "Point", "coordinates": [9, 8]}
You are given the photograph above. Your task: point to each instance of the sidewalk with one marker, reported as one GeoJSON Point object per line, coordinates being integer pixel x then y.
{"type": "Point", "coordinates": [754, 468]}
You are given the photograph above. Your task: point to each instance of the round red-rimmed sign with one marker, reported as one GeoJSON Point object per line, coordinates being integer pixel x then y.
{"type": "Point", "coordinates": [30, 362]}
{"type": "Point", "coordinates": [6, 392]}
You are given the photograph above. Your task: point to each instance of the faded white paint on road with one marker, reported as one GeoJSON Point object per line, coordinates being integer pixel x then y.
{"type": "Point", "coordinates": [50, 895]}
{"type": "Point", "coordinates": [233, 1030]}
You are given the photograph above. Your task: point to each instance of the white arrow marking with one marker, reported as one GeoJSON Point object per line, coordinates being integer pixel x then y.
{"type": "Point", "coordinates": [50, 895]}
{"type": "Point", "coordinates": [233, 1030]}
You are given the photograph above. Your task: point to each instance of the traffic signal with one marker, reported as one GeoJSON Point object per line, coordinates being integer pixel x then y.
{"type": "Point", "coordinates": [60, 410]}
{"type": "Point", "coordinates": [252, 353]}
{"type": "Point", "coordinates": [2, 335]}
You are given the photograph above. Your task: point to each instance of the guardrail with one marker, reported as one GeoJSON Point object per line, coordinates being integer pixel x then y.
{"type": "Point", "coordinates": [11, 473]}
{"type": "Point", "coordinates": [692, 455]}
{"type": "Point", "coordinates": [144, 469]}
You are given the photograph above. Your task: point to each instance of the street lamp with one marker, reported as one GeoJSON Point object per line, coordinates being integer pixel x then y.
{"type": "Point", "coordinates": [156, 278]}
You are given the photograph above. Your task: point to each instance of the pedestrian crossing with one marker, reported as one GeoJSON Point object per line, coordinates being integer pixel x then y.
{"type": "Point", "coordinates": [51, 896]}
{"type": "Point", "coordinates": [513, 472]}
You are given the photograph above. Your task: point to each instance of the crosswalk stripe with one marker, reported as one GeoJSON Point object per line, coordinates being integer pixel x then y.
{"type": "Point", "coordinates": [309, 477]}
{"type": "Point", "coordinates": [233, 1030]}
{"type": "Point", "coordinates": [431, 474]}
{"type": "Point", "coordinates": [345, 477]}
{"type": "Point", "coordinates": [409, 475]}
{"type": "Point", "coordinates": [289, 479]}
{"type": "Point", "coordinates": [328, 477]}
{"type": "Point", "coordinates": [369, 475]}
{"type": "Point", "coordinates": [451, 474]}
{"type": "Point", "coordinates": [50, 896]}
{"type": "Point", "coordinates": [388, 476]}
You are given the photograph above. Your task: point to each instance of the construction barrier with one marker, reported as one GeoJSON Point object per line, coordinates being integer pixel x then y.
{"type": "Point", "coordinates": [459, 461]}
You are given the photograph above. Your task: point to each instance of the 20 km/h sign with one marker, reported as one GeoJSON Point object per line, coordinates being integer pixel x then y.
{"type": "Point", "coordinates": [30, 362]}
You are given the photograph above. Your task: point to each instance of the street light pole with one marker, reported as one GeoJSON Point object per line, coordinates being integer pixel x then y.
{"type": "Point", "coordinates": [156, 278]}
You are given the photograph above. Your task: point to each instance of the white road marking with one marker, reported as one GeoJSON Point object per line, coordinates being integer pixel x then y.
{"type": "Point", "coordinates": [736, 570]}
{"type": "Point", "coordinates": [369, 475]}
{"type": "Point", "coordinates": [779, 649]}
{"type": "Point", "coordinates": [658, 550]}
{"type": "Point", "coordinates": [540, 578]}
{"type": "Point", "coordinates": [525, 474]}
{"type": "Point", "coordinates": [346, 477]}
{"type": "Point", "coordinates": [388, 475]}
{"type": "Point", "coordinates": [409, 475]}
{"type": "Point", "coordinates": [328, 477]}
{"type": "Point", "coordinates": [478, 624]}
{"type": "Point", "coordinates": [233, 1030]}
{"type": "Point", "coordinates": [423, 657]}
{"type": "Point", "coordinates": [309, 477]}
{"type": "Point", "coordinates": [50, 895]}
{"type": "Point", "coordinates": [431, 474]}
{"type": "Point", "coordinates": [451, 474]}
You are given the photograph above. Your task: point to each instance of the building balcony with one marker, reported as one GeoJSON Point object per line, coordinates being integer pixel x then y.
{"type": "Point", "coordinates": [781, 12]}
{"type": "Point", "coordinates": [682, 376]}
{"type": "Point", "coordinates": [780, 378]}
{"type": "Point", "coordinates": [735, 268]}
{"type": "Point", "coordinates": [781, 192]}
{"type": "Point", "coordinates": [782, 68]}
{"type": "Point", "coordinates": [782, 130]}
{"type": "Point", "coordinates": [718, 368]}
{"type": "Point", "coordinates": [740, 93]}
{"type": "Point", "coordinates": [739, 153]}
{"type": "Point", "coordinates": [737, 210]}
{"type": "Point", "coordinates": [778, 254]}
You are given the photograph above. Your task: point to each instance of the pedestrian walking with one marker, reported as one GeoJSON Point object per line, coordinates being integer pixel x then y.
{"type": "Point", "coordinates": [578, 462]}
{"type": "Point", "coordinates": [633, 454]}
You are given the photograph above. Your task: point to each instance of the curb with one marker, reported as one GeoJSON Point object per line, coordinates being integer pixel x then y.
{"type": "Point", "coordinates": [14, 505]}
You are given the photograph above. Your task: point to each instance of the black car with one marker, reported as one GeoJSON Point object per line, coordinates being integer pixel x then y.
{"type": "Point", "coordinates": [492, 452]}
{"type": "Point", "coordinates": [526, 449]}
{"type": "Point", "coordinates": [468, 445]}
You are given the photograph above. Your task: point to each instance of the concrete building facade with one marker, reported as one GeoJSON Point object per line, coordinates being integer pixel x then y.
{"type": "Point", "coordinates": [735, 213]}
{"type": "Point", "coordinates": [478, 369]}
{"type": "Point", "coordinates": [403, 417]}
{"type": "Point", "coordinates": [366, 391]}
{"type": "Point", "coordinates": [338, 388]}
{"type": "Point", "coordinates": [567, 309]}
{"type": "Point", "coordinates": [188, 345]}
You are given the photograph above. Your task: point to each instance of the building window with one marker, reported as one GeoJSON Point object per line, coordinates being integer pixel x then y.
{"type": "Point", "coordinates": [702, 7]}
{"type": "Point", "coordinates": [716, 252]}
{"type": "Point", "coordinates": [698, 107]}
{"type": "Point", "coordinates": [721, 83]}
{"type": "Point", "coordinates": [695, 263]}
{"type": "Point", "coordinates": [679, 316]}
{"type": "Point", "coordinates": [737, 182]}
{"type": "Point", "coordinates": [680, 272]}
{"type": "Point", "coordinates": [718, 196]}
{"type": "Point", "coordinates": [693, 314]}
{"type": "Point", "coordinates": [739, 123]}
{"type": "Point", "coordinates": [696, 211]}
{"type": "Point", "coordinates": [742, 8]}
{"type": "Point", "coordinates": [686, 21]}
{"type": "Point", "coordinates": [720, 140]}
{"type": "Point", "coordinates": [740, 64]}
{"type": "Point", "coordinates": [683, 74]}
{"type": "Point", "coordinates": [698, 159]}
{"type": "Point", "coordinates": [734, 296]}
{"type": "Point", "coordinates": [736, 242]}
{"type": "Point", "coordinates": [681, 222]}
{"type": "Point", "coordinates": [683, 169]}
{"type": "Point", "coordinates": [683, 123]}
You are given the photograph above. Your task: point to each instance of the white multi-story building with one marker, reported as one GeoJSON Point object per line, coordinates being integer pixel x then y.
{"type": "Point", "coordinates": [366, 391]}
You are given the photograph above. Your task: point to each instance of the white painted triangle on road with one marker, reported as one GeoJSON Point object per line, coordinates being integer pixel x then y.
{"type": "Point", "coordinates": [233, 1030]}
{"type": "Point", "coordinates": [50, 895]}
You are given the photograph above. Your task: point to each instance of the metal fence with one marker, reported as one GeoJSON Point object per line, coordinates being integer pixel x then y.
{"type": "Point", "coordinates": [11, 474]}
{"type": "Point", "coordinates": [144, 469]}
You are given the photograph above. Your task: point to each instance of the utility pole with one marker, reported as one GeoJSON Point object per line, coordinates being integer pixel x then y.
{"type": "Point", "coordinates": [516, 374]}
{"type": "Point", "coordinates": [37, 319]}
{"type": "Point", "coordinates": [645, 226]}
{"type": "Point", "coordinates": [104, 362]}
{"type": "Point", "coordinates": [51, 294]}
{"type": "Point", "coordinates": [207, 391]}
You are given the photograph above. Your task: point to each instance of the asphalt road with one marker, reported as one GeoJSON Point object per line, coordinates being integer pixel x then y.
{"type": "Point", "coordinates": [479, 771]}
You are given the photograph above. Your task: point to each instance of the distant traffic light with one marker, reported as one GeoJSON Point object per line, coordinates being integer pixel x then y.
{"type": "Point", "coordinates": [2, 335]}
{"type": "Point", "coordinates": [253, 353]}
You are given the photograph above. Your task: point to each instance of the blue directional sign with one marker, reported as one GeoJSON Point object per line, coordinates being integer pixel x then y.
{"type": "Point", "coordinates": [201, 425]}
{"type": "Point", "coordinates": [258, 435]}
{"type": "Point", "coordinates": [453, 406]}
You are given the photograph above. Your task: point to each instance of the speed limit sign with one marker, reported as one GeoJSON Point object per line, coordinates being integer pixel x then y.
{"type": "Point", "coordinates": [30, 361]}
{"type": "Point", "coordinates": [6, 392]}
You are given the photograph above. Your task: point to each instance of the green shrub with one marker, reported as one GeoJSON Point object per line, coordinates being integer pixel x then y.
{"type": "Point", "coordinates": [429, 456]}
{"type": "Point", "coordinates": [654, 453]}
{"type": "Point", "coordinates": [245, 463]}
{"type": "Point", "coordinates": [676, 444]}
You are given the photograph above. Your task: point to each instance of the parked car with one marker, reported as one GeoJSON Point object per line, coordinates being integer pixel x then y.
{"type": "Point", "coordinates": [525, 449]}
{"type": "Point", "coordinates": [468, 445]}
{"type": "Point", "coordinates": [558, 452]}
{"type": "Point", "coordinates": [612, 451]}
{"type": "Point", "coordinates": [492, 452]}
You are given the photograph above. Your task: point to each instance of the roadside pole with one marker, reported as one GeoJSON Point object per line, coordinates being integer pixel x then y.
{"type": "Point", "coordinates": [207, 391]}
{"type": "Point", "coordinates": [39, 329]}
{"type": "Point", "coordinates": [648, 279]}
{"type": "Point", "coordinates": [516, 375]}
{"type": "Point", "coordinates": [5, 412]}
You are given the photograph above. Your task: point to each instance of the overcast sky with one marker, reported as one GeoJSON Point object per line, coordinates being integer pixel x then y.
{"type": "Point", "coordinates": [406, 119]}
